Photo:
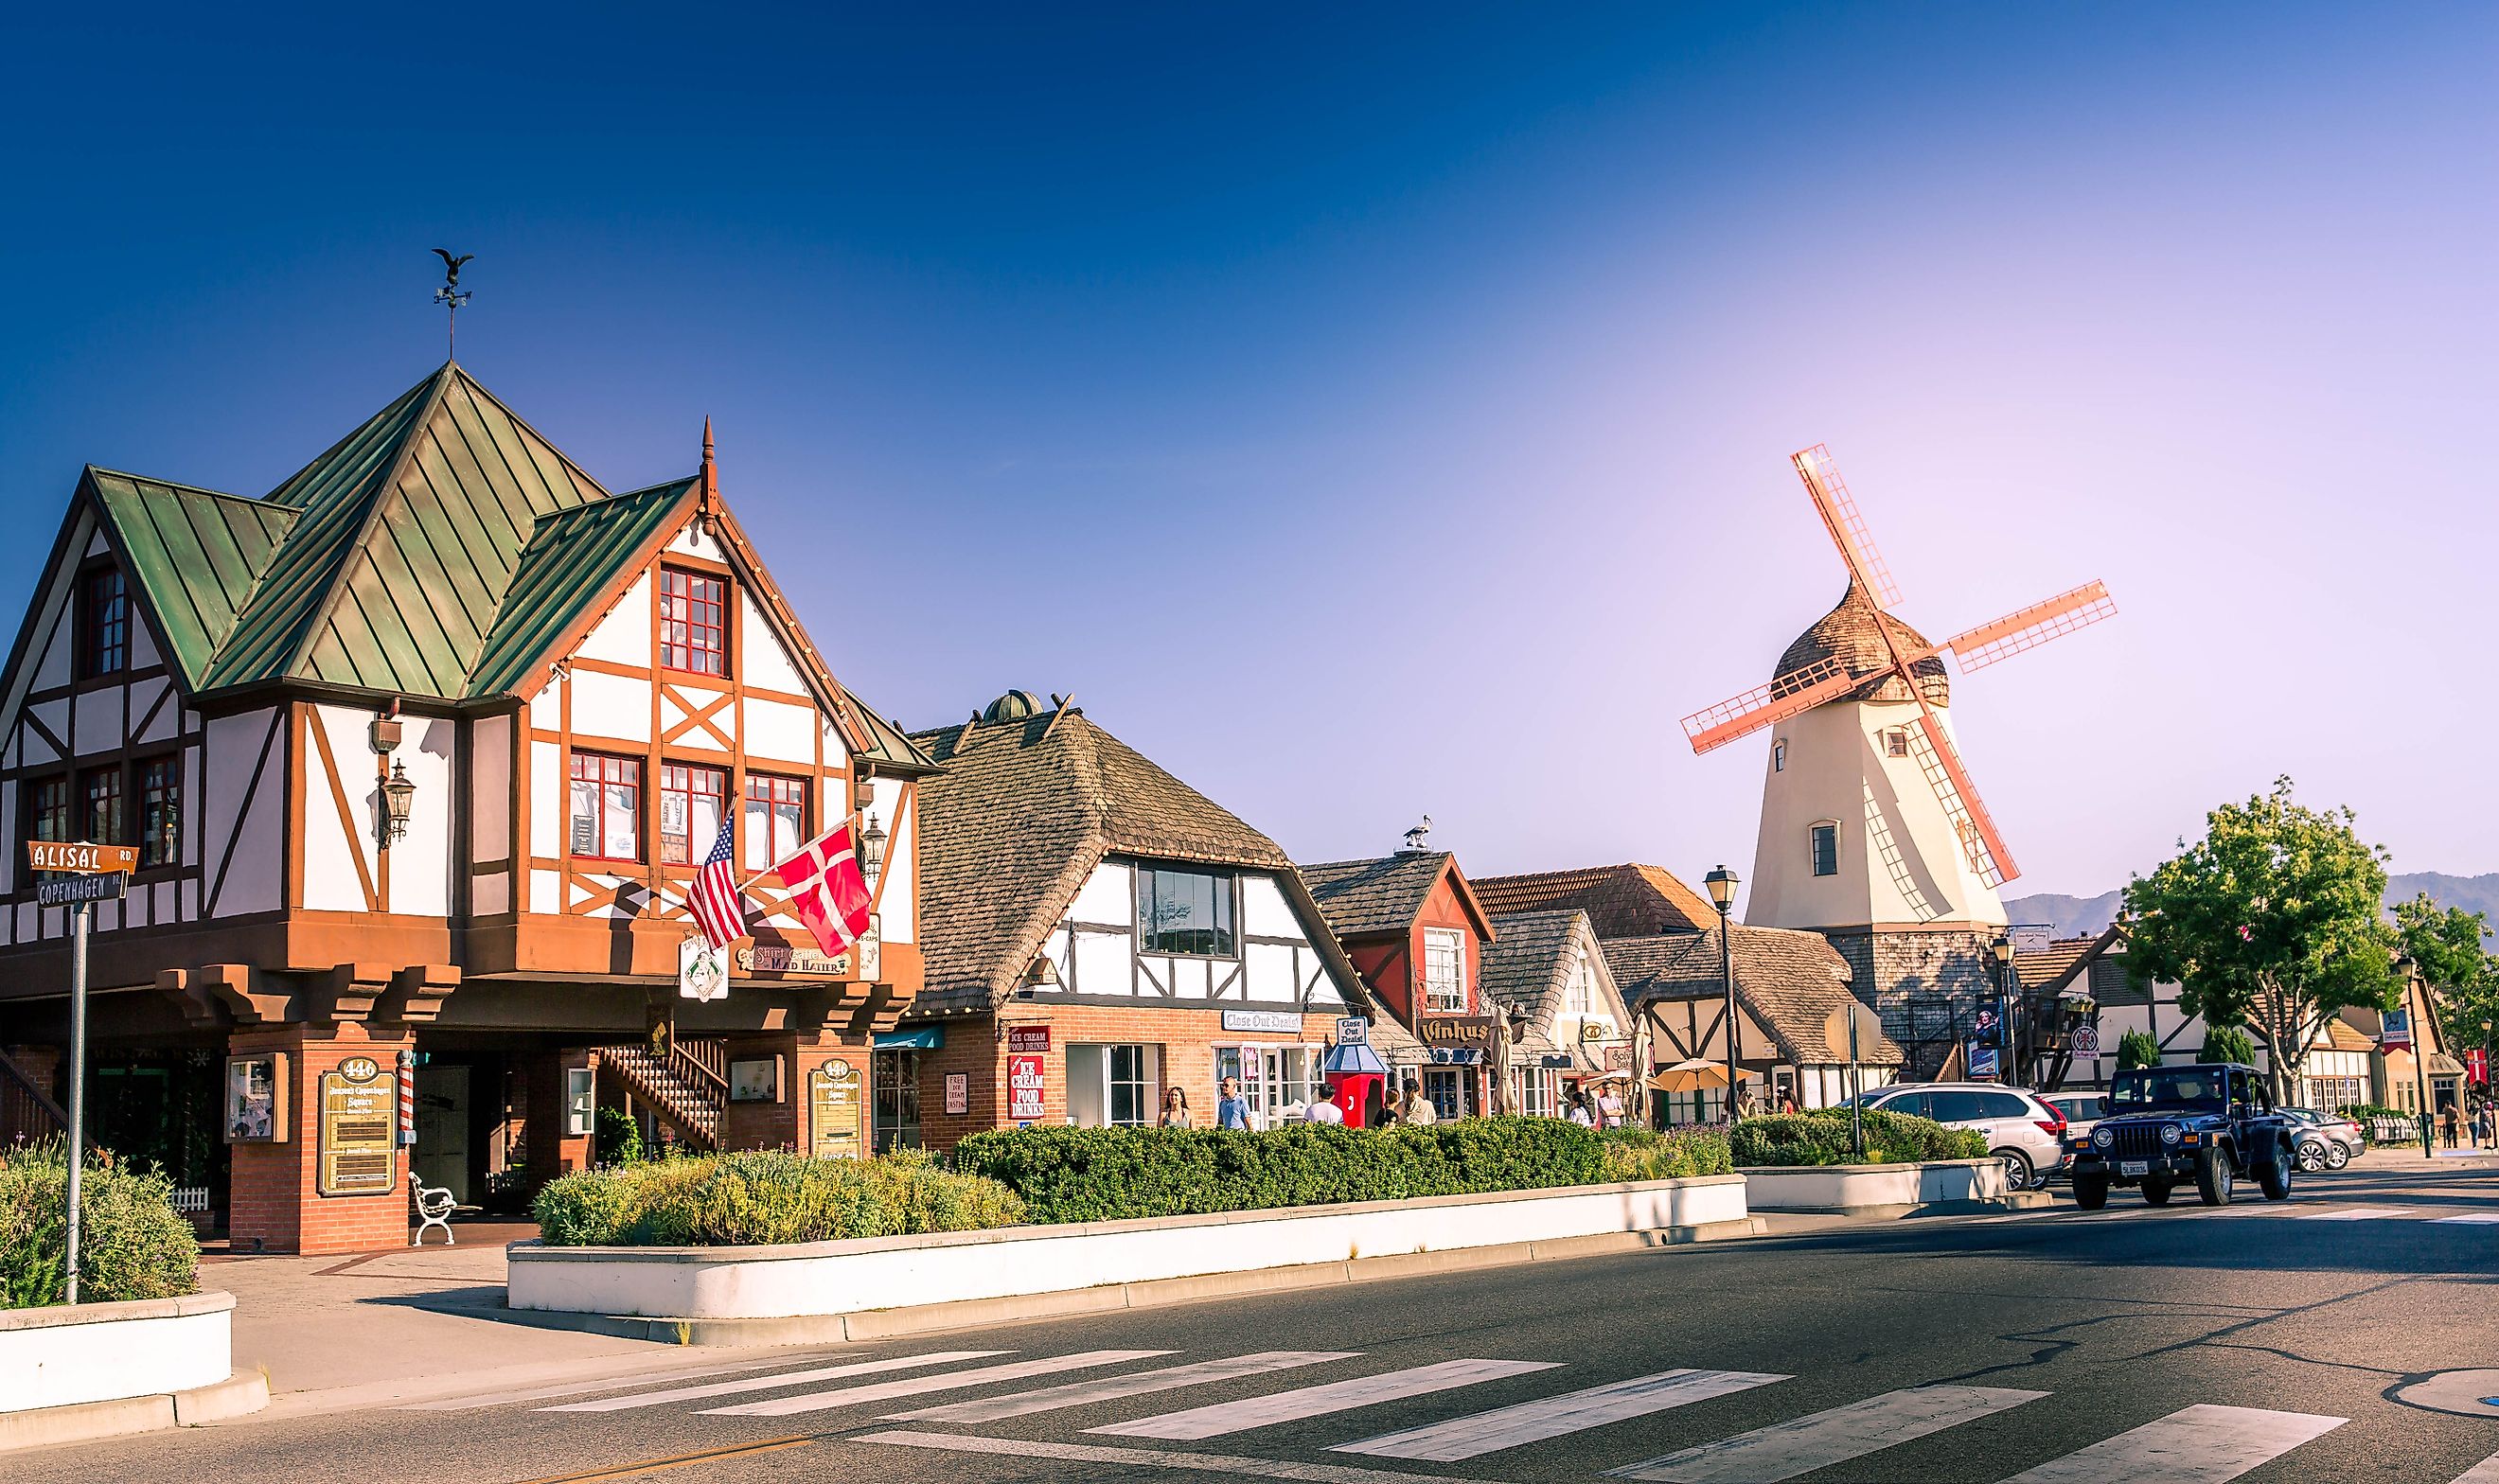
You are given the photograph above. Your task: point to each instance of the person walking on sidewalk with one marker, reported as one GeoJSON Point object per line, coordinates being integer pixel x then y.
{"type": "Point", "coordinates": [2449, 1125]}
{"type": "Point", "coordinates": [1416, 1109]}
{"type": "Point", "coordinates": [2486, 1125]}
{"type": "Point", "coordinates": [1176, 1110]}
{"type": "Point", "coordinates": [1232, 1110]}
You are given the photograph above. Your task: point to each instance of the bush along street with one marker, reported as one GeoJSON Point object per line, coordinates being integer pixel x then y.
{"type": "Point", "coordinates": [1821, 1138]}
{"type": "Point", "coordinates": [766, 1197]}
{"type": "Point", "coordinates": [132, 1243]}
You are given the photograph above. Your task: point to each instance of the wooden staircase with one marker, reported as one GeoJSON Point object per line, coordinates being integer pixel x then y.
{"type": "Point", "coordinates": [26, 1109]}
{"type": "Point", "coordinates": [688, 1084]}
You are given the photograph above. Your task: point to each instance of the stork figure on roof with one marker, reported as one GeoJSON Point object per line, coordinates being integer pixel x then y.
{"type": "Point", "coordinates": [1871, 830]}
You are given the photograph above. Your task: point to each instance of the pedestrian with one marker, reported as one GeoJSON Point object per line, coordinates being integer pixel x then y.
{"type": "Point", "coordinates": [1746, 1107]}
{"type": "Point", "coordinates": [1176, 1110]}
{"type": "Point", "coordinates": [1416, 1109]}
{"type": "Point", "coordinates": [2486, 1125]}
{"type": "Point", "coordinates": [1576, 1109]}
{"type": "Point", "coordinates": [1610, 1106]}
{"type": "Point", "coordinates": [1787, 1101]}
{"type": "Point", "coordinates": [2450, 1124]}
{"type": "Point", "coordinates": [1323, 1110]}
{"type": "Point", "coordinates": [1231, 1108]}
{"type": "Point", "coordinates": [1375, 1111]}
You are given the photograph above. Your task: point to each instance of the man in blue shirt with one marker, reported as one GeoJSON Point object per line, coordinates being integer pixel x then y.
{"type": "Point", "coordinates": [1232, 1110]}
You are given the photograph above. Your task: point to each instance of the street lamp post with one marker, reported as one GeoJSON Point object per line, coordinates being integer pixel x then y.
{"type": "Point", "coordinates": [1722, 884]}
{"type": "Point", "coordinates": [2002, 949]}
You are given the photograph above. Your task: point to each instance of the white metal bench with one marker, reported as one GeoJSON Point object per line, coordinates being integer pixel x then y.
{"type": "Point", "coordinates": [433, 1207]}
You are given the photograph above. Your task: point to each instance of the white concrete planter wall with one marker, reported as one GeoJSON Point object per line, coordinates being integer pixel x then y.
{"type": "Point", "coordinates": [840, 1278]}
{"type": "Point", "coordinates": [102, 1352]}
{"type": "Point", "coordinates": [1854, 1187]}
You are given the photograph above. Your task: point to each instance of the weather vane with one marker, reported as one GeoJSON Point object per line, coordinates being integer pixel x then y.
{"type": "Point", "coordinates": [451, 295]}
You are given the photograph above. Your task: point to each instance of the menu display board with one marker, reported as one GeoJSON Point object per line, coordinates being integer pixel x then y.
{"type": "Point", "coordinates": [255, 1099]}
{"type": "Point", "coordinates": [359, 1116]}
{"type": "Point", "coordinates": [834, 1109]}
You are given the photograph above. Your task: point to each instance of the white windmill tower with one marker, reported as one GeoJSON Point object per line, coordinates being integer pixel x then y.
{"type": "Point", "coordinates": [1871, 830]}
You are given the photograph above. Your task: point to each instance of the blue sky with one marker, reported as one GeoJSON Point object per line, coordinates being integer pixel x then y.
{"type": "Point", "coordinates": [1377, 413]}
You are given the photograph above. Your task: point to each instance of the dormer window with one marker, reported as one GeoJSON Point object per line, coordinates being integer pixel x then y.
{"type": "Point", "coordinates": [103, 624]}
{"type": "Point", "coordinates": [694, 622]}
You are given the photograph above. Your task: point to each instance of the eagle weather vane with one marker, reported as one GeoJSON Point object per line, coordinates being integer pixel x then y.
{"type": "Point", "coordinates": [451, 296]}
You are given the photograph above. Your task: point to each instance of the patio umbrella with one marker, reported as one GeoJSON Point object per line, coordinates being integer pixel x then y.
{"type": "Point", "coordinates": [1689, 1075]}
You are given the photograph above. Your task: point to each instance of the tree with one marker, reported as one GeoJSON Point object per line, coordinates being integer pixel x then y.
{"type": "Point", "coordinates": [2229, 1043]}
{"type": "Point", "coordinates": [2273, 920]}
{"type": "Point", "coordinates": [2136, 1048]}
{"type": "Point", "coordinates": [2447, 943]}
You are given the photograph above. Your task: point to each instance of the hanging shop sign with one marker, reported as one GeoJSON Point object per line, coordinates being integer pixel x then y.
{"type": "Point", "coordinates": [359, 1113]}
{"type": "Point", "coordinates": [1283, 1020]}
{"type": "Point", "coordinates": [1455, 1032]}
{"type": "Point", "coordinates": [1353, 1030]}
{"type": "Point", "coordinates": [780, 959]}
{"type": "Point", "coordinates": [1028, 1038]}
{"type": "Point", "coordinates": [2086, 1040]}
{"type": "Point", "coordinates": [702, 971]}
{"type": "Point", "coordinates": [834, 1109]}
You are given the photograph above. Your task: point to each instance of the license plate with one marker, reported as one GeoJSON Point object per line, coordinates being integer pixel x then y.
{"type": "Point", "coordinates": [2134, 1166]}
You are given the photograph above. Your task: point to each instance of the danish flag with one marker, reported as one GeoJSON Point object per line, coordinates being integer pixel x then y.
{"type": "Point", "coordinates": [828, 887]}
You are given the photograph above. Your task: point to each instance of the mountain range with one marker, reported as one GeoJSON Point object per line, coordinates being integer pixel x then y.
{"type": "Point", "coordinates": [2087, 917]}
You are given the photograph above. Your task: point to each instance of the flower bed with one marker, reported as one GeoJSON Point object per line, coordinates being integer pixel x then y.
{"type": "Point", "coordinates": [1821, 1138]}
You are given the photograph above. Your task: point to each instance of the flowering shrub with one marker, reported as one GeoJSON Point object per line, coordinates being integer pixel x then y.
{"type": "Point", "coordinates": [132, 1243]}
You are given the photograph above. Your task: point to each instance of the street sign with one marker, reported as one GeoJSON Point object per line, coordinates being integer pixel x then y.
{"type": "Point", "coordinates": [62, 891]}
{"type": "Point", "coordinates": [1982, 1061]}
{"type": "Point", "coordinates": [81, 857]}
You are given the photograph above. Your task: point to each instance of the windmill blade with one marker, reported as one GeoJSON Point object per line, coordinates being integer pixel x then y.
{"type": "Point", "coordinates": [1796, 692]}
{"type": "Point", "coordinates": [1847, 528]}
{"type": "Point", "coordinates": [2031, 626]}
{"type": "Point", "coordinates": [1979, 841]}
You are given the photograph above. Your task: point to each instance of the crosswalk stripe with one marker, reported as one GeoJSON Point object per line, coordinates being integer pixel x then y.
{"type": "Point", "coordinates": [2485, 1472]}
{"type": "Point", "coordinates": [772, 1382]}
{"type": "Point", "coordinates": [1319, 1401]}
{"type": "Point", "coordinates": [1137, 1460]}
{"type": "Point", "coordinates": [1528, 1422]}
{"type": "Point", "coordinates": [2359, 1214]}
{"type": "Point", "coordinates": [471, 1400]}
{"type": "Point", "coordinates": [1082, 1392]}
{"type": "Point", "coordinates": [1783, 1451]}
{"type": "Point", "coordinates": [2195, 1445]}
{"type": "Point", "coordinates": [2471, 1218]}
{"type": "Point", "coordinates": [911, 1386]}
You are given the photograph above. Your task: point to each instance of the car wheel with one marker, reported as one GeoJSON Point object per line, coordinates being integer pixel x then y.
{"type": "Point", "coordinates": [2157, 1192]}
{"type": "Point", "coordinates": [2337, 1155]}
{"type": "Point", "coordinates": [2214, 1177]}
{"type": "Point", "coordinates": [2091, 1191]}
{"type": "Point", "coordinates": [2017, 1168]}
{"type": "Point", "coordinates": [2273, 1177]}
{"type": "Point", "coordinates": [2313, 1155]}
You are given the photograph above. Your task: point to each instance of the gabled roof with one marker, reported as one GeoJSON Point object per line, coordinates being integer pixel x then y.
{"type": "Point", "coordinates": [1022, 812]}
{"type": "Point", "coordinates": [1790, 980]}
{"type": "Point", "coordinates": [1623, 901]}
{"type": "Point", "coordinates": [1385, 894]}
{"type": "Point", "coordinates": [196, 553]}
{"type": "Point", "coordinates": [1531, 957]}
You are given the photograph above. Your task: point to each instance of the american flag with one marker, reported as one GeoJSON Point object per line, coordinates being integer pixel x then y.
{"type": "Point", "coordinates": [717, 907]}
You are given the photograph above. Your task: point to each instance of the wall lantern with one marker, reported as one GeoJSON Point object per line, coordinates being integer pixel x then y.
{"type": "Point", "coordinates": [873, 849]}
{"type": "Point", "coordinates": [398, 794]}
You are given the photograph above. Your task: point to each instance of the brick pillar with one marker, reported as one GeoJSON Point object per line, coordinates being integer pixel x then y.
{"type": "Point", "coordinates": [277, 1204]}
{"type": "Point", "coordinates": [786, 1122]}
{"type": "Point", "coordinates": [553, 1150]}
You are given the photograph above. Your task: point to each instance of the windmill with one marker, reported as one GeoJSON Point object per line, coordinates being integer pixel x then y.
{"type": "Point", "coordinates": [1878, 763]}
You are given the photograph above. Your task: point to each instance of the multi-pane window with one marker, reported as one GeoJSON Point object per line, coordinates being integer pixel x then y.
{"type": "Point", "coordinates": [1130, 1086]}
{"type": "Point", "coordinates": [694, 622]}
{"type": "Point", "coordinates": [691, 800]}
{"type": "Point", "coordinates": [160, 812]}
{"type": "Point", "coordinates": [897, 1094]}
{"type": "Point", "coordinates": [1441, 1084]}
{"type": "Point", "coordinates": [48, 809]}
{"type": "Point", "coordinates": [1444, 970]}
{"type": "Point", "coordinates": [100, 805]}
{"type": "Point", "coordinates": [1826, 849]}
{"type": "Point", "coordinates": [104, 624]}
{"type": "Point", "coordinates": [606, 813]}
{"type": "Point", "coordinates": [1895, 743]}
{"type": "Point", "coordinates": [1184, 912]}
{"type": "Point", "coordinates": [776, 820]}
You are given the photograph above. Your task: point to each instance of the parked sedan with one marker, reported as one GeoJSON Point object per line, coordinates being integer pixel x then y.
{"type": "Point", "coordinates": [2023, 1133]}
{"type": "Point", "coordinates": [2324, 1141]}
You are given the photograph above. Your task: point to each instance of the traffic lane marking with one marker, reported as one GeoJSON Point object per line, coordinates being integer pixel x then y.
{"type": "Point", "coordinates": [1548, 1417]}
{"type": "Point", "coordinates": [1250, 1412]}
{"type": "Point", "coordinates": [773, 1382]}
{"type": "Point", "coordinates": [882, 1391]}
{"type": "Point", "coordinates": [1787, 1449]}
{"type": "Point", "coordinates": [1150, 1458]}
{"type": "Point", "coordinates": [2363, 1213]}
{"type": "Point", "coordinates": [1110, 1389]}
{"type": "Point", "coordinates": [2202, 1444]}
{"type": "Point", "coordinates": [471, 1401]}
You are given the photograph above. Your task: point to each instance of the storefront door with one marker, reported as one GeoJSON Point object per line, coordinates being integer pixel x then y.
{"type": "Point", "coordinates": [441, 1156]}
{"type": "Point", "coordinates": [894, 1078]}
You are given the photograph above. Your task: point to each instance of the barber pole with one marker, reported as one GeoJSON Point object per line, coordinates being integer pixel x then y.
{"type": "Point", "coordinates": [408, 1099]}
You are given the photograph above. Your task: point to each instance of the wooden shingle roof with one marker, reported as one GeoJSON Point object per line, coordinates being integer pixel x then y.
{"type": "Point", "coordinates": [1790, 980]}
{"type": "Point", "coordinates": [1379, 895]}
{"type": "Point", "coordinates": [1852, 633]}
{"type": "Point", "coordinates": [1622, 901]}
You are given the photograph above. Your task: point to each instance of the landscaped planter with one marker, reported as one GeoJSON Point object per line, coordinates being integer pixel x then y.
{"type": "Point", "coordinates": [840, 1278]}
{"type": "Point", "coordinates": [1865, 1188]}
{"type": "Point", "coordinates": [62, 1355]}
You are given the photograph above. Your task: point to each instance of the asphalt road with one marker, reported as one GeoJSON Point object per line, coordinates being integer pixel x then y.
{"type": "Point", "coordinates": [2255, 1342]}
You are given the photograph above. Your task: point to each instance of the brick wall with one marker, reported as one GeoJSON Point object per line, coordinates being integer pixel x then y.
{"type": "Point", "coordinates": [1185, 1040]}
{"type": "Point", "coordinates": [786, 1122]}
{"type": "Point", "coordinates": [551, 1150]}
{"type": "Point", "coordinates": [275, 1205]}
{"type": "Point", "coordinates": [1925, 984]}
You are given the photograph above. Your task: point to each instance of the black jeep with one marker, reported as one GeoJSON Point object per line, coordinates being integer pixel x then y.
{"type": "Point", "coordinates": [2213, 1123]}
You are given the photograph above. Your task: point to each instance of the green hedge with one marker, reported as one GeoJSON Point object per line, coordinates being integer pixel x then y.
{"type": "Point", "coordinates": [1638, 1154]}
{"type": "Point", "coordinates": [738, 1199]}
{"type": "Point", "coordinates": [132, 1243]}
{"type": "Point", "coordinates": [1114, 1173]}
{"type": "Point", "coordinates": [1821, 1138]}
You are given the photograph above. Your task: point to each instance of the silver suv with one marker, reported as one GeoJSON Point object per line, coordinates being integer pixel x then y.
{"type": "Point", "coordinates": [2022, 1131]}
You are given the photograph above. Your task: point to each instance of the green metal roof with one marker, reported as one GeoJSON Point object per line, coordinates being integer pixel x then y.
{"type": "Point", "coordinates": [196, 553]}
{"type": "Point", "coordinates": [571, 563]}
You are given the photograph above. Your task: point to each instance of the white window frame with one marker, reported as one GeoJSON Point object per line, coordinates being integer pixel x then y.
{"type": "Point", "coordinates": [1439, 997]}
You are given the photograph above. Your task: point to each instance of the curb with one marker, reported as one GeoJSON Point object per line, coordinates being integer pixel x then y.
{"type": "Point", "coordinates": [2023, 1199]}
{"type": "Point", "coordinates": [239, 1394]}
{"type": "Point", "coordinates": [967, 1313]}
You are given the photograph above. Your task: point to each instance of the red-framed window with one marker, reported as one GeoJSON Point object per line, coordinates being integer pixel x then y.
{"type": "Point", "coordinates": [776, 819]}
{"type": "Point", "coordinates": [104, 624]}
{"type": "Point", "coordinates": [692, 802]}
{"type": "Point", "coordinates": [160, 812]}
{"type": "Point", "coordinates": [694, 622]}
{"type": "Point", "coordinates": [100, 805]}
{"type": "Point", "coordinates": [606, 814]}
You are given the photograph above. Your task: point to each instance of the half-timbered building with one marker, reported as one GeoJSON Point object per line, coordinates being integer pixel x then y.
{"type": "Point", "coordinates": [1414, 929]}
{"type": "Point", "coordinates": [420, 752]}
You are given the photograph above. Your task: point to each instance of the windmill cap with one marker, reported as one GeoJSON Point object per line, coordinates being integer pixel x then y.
{"type": "Point", "coordinates": [1848, 634]}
